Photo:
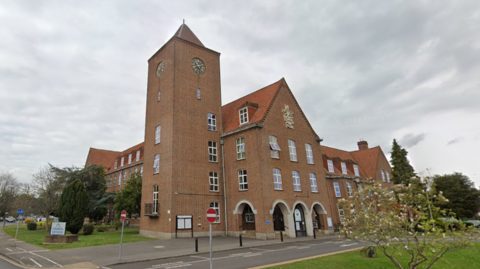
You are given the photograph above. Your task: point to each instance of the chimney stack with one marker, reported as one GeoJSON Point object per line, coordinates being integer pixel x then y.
{"type": "Point", "coordinates": [362, 145]}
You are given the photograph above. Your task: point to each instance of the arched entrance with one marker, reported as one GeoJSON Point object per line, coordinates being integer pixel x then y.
{"type": "Point", "coordinates": [299, 218]}
{"type": "Point", "coordinates": [278, 223]}
{"type": "Point", "coordinates": [248, 218]}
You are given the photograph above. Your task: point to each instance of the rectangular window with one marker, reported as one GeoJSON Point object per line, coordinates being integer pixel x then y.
{"type": "Point", "coordinates": [344, 168]}
{"type": "Point", "coordinates": [115, 180]}
{"type": "Point", "coordinates": [136, 170]}
{"type": "Point", "coordinates": [355, 170]}
{"type": "Point", "coordinates": [349, 189]}
{"type": "Point", "coordinates": [141, 171]}
{"type": "Point", "coordinates": [243, 115]}
{"type": "Point", "coordinates": [213, 179]}
{"type": "Point", "coordinates": [124, 177]}
{"type": "Point", "coordinates": [155, 199]}
{"type": "Point", "coordinates": [341, 213]}
{"type": "Point", "coordinates": [296, 181]}
{"type": "Point", "coordinates": [156, 164]}
{"type": "Point", "coordinates": [120, 179]}
{"type": "Point", "coordinates": [313, 182]}
{"type": "Point", "coordinates": [274, 147]}
{"type": "Point", "coordinates": [242, 180]}
{"type": "Point", "coordinates": [212, 122]}
{"type": "Point", "coordinates": [330, 166]}
{"type": "Point", "coordinates": [115, 165]}
{"type": "Point", "coordinates": [337, 189]}
{"type": "Point", "coordinates": [383, 175]}
{"type": "Point", "coordinates": [388, 176]}
{"type": "Point", "coordinates": [212, 151]}
{"type": "Point", "coordinates": [158, 97]}
{"type": "Point", "coordinates": [277, 179]}
{"type": "Point", "coordinates": [198, 93]}
{"type": "Point", "coordinates": [308, 149]}
{"type": "Point", "coordinates": [129, 158]}
{"type": "Point", "coordinates": [138, 155]}
{"type": "Point", "coordinates": [293, 150]}
{"type": "Point", "coordinates": [215, 206]}
{"type": "Point", "coordinates": [121, 161]}
{"type": "Point", "coordinates": [157, 134]}
{"type": "Point", "coordinates": [240, 148]}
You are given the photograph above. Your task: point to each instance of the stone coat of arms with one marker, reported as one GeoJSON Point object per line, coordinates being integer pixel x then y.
{"type": "Point", "coordinates": [288, 117]}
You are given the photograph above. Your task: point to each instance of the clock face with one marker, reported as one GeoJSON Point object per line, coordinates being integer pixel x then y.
{"type": "Point", "coordinates": [198, 66]}
{"type": "Point", "coordinates": [160, 68]}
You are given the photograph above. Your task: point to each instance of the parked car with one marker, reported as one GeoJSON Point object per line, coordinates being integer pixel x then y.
{"type": "Point", "coordinates": [1, 219]}
{"type": "Point", "coordinates": [475, 223]}
{"type": "Point", "coordinates": [10, 219]}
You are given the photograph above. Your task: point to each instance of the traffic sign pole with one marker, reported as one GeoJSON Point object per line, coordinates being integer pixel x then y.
{"type": "Point", "coordinates": [123, 216]}
{"type": "Point", "coordinates": [211, 260]}
{"type": "Point", "coordinates": [19, 213]}
{"type": "Point", "coordinates": [211, 217]}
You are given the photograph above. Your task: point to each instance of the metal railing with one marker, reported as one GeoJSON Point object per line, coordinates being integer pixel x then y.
{"type": "Point", "coordinates": [151, 209]}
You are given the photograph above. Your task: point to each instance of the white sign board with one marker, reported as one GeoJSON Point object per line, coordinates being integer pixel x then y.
{"type": "Point", "coordinates": [58, 228]}
{"type": "Point", "coordinates": [330, 224]}
{"type": "Point", "coordinates": [184, 222]}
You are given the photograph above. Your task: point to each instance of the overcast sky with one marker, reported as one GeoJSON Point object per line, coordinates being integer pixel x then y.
{"type": "Point", "coordinates": [73, 73]}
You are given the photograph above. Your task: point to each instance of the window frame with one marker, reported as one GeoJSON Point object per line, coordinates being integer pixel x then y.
{"type": "Point", "coordinates": [313, 182]}
{"type": "Point", "coordinates": [243, 115]}
{"type": "Point", "coordinates": [212, 151]}
{"type": "Point", "coordinates": [349, 189]}
{"type": "Point", "coordinates": [240, 142]}
{"type": "Point", "coordinates": [356, 171]}
{"type": "Point", "coordinates": [383, 175]}
{"type": "Point", "coordinates": [296, 181]}
{"type": "Point", "coordinates": [137, 157]}
{"type": "Point", "coordinates": [292, 149]}
{"type": "Point", "coordinates": [274, 147]}
{"type": "Point", "coordinates": [198, 94]}
{"type": "Point", "coordinates": [130, 158]}
{"type": "Point", "coordinates": [211, 122]}
{"type": "Point", "coordinates": [213, 181]}
{"type": "Point", "coordinates": [341, 213]}
{"type": "Point", "coordinates": [388, 176]}
{"type": "Point", "coordinates": [156, 163]}
{"type": "Point", "coordinates": [336, 187]}
{"type": "Point", "coordinates": [158, 96]}
{"type": "Point", "coordinates": [242, 180]}
{"type": "Point", "coordinates": [249, 216]}
{"type": "Point", "coordinates": [124, 177]}
{"type": "Point", "coordinates": [277, 179]}
{"type": "Point", "coordinates": [155, 199]}
{"type": "Point", "coordinates": [216, 207]}
{"type": "Point", "coordinates": [116, 164]}
{"type": "Point", "coordinates": [309, 152]}
{"type": "Point", "coordinates": [331, 168]}
{"type": "Point", "coordinates": [158, 133]}
{"type": "Point", "coordinates": [122, 161]}
{"type": "Point", "coordinates": [344, 168]}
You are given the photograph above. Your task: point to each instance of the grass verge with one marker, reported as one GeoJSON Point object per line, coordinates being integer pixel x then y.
{"type": "Point", "coordinates": [455, 259]}
{"type": "Point", "coordinates": [96, 239]}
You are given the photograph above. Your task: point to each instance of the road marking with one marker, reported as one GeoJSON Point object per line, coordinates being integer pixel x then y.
{"type": "Point", "coordinates": [200, 257]}
{"type": "Point", "coordinates": [347, 245]}
{"type": "Point", "coordinates": [264, 250]}
{"type": "Point", "coordinates": [8, 249]}
{"type": "Point", "coordinates": [59, 265]}
{"type": "Point", "coordinates": [39, 265]}
{"type": "Point", "coordinates": [158, 246]}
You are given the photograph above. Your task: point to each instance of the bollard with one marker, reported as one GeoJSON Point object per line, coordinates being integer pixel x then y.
{"type": "Point", "coordinates": [314, 235]}
{"type": "Point", "coordinates": [241, 243]}
{"type": "Point", "coordinates": [281, 236]}
{"type": "Point", "coordinates": [196, 244]}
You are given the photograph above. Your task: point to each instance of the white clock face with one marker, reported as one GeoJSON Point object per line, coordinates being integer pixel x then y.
{"type": "Point", "coordinates": [160, 68]}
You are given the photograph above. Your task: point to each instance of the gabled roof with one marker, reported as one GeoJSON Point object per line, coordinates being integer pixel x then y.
{"type": "Point", "coordinates": [101, 157]}
{"type": "Point", "coordinates": [263, 98]}
{"type": "Point", "coordinates": [368, 160]}
{"type": "Point", "coordinates": [343, 156]}
{"type": "Point", "coordinates": [185, 33]}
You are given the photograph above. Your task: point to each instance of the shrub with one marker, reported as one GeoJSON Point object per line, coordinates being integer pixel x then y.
{"type": "Point", "coordinates": [27, 221]}
{"type": "Point", "coordinates": [117, 224]}
{"type": "Point", "coordinates": [102, 228]}
{"type": "Point", "coordinates": [88, 228]}
{"type": "Point", "coordinates": [41, 224]}
{"type": "Point", "coordinates": [32, 226]}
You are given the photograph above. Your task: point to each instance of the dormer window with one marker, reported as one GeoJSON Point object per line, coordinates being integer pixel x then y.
{"type": "Point", "coordinates": [344, 168]}
{"type": "Point", "coordinates": [330, 166]}
{"type": "Point", "coordinates": [243, 112]}
{"type": "Point", "coordinates": [355, 170]}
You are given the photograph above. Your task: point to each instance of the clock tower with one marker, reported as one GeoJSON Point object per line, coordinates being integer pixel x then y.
{"type": "Point", "coordinates": [182, 156]}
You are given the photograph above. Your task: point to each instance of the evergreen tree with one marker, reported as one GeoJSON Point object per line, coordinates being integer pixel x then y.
{"type": "Point", "coordinates": [130, 197]}
{"type": "Point", "coordinates": [402, 171]}
{"type": "Point", "coordinates": [73, 207]}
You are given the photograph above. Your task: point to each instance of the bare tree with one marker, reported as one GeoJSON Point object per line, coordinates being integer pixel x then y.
{"type": "Point", "coordinates": [8, 192]}
{"type": "Point", "coordinates": [48, 189]}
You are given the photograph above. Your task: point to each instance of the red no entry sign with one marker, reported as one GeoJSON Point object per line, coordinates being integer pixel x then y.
{"type": "Point", "coordinates": [211, 215]}
{"type": "Point", "coordinates": [123, 216]}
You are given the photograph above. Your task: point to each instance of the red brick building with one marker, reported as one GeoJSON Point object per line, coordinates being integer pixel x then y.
{"type": "Point", "coordinates": [257, 160]}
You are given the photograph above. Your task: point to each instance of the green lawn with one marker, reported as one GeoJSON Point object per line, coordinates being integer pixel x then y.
{"type": "Point", "coordinates": [455, 259]}
{"type": "Point", "coordinates": [96, 239]}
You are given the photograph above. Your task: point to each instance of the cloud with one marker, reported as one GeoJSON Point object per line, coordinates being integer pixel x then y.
{"type": "Point", "coordinates": [410, 140]}
{"type": "Point", "coordinates": [454, 141]}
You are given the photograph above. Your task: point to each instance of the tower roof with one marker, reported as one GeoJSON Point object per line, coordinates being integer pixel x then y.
{"type": "Point", "coordinates": [185, 33]}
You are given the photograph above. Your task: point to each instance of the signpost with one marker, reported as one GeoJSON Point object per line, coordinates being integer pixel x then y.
{"type": "Point", "coordinates": [123, 216]}
{"type": "Point", "coordinates": [19, 213]}
{"type": "Point", "coordinates": [211, 217]}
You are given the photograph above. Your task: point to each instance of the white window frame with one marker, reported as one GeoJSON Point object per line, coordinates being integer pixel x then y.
{"type": "Point", "coordinates": [129, 158]}
{"type": "Point", "coordinates": [242, 180]}
{"type": "Point", "coordinates": [344, 168]}
{"type": "Point", "coordinates": [355, 170]}
{"type": "Point", "coordinates": [243, 114]}
{"type": "Point", "coordinates": [114, 180]}
{"type": "Point", "coordinates": [158, 96]}
{"type": "Point", "coordinates": [138, 156]}
{"type": "Point", "coordinates": [240, 148]}
{"type": "Point", "coordinates": [309, 151]}
{"type": "Point", "coordinates": [198, 93]}
{"type": "Point", "coordinates": [124, 177]}
{"type": "Point", "coordinates": [156, 164]}
{"type": "Point", "coordinates": [155, 200]}
{"type": "Point", "coordinates": [292, 149]}
{"type": "Point", "coordinates": [212, 122]}
{"type": "Point", "coordinates": [336, 186]}
{"type": "Point", "coordinates": [349, 189]}
{"type": "Point", "coordinates": [141, 171]}
{"type": "Point", "coordinates": [331, 168]}
{"type": "Point", "coordinates": [212, 151]}
{"type": "Point", "coordinates": [120, 179]}
{"type": "Point", "coordinates": [216, 206]}
{"type": "Point", "coordinates": [296, 181]}
{"type": "Point", "coordinates": [388, 176]}
{"type": "Point", "coordinates": [277, 179]}
{"type": "Point", "coordinates": [249, 216]}
{"type": "Point", "coordinates": [158, 130]}
{"type": "Point", "coordinates": [313, 182]}
{"type": "Point", "coordinates": [383, 175]}
{"type": "Point", "coordinates": [115, 165]}
{"type": "Point", "coordinates": [274, 147]}
{"type": "Point", "coordinates": [122, 161]}
{"type": "Point", "coordinates": [213, 181]}
{"type": "Point", "coordinates": [341, 213]}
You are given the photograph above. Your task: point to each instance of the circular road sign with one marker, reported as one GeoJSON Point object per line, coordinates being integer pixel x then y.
{"type": "Point", "coordinates": [211, 215]}
{"type": "Point", "coordinates": [123, 216]}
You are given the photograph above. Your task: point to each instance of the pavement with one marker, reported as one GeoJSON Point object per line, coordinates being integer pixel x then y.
{"type": "Point", "coordinates": [30, 256]}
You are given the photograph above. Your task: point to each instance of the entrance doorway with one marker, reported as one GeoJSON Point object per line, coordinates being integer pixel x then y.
{"type": "Point", "coordinates": [248, 219]}
{"type": "Point", "coordinates": [278, 224]}
{"type": "Point", "coordinates": [299, 218]}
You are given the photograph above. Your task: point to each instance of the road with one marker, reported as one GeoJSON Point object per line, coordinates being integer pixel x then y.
{"type": "Point", "coordinates": [6, 265]}
{"type": "Point", "coordinates": [248, 257]}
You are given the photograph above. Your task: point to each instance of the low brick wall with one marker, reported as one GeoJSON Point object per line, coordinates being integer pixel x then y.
{"type": "Point", "coordinates": [61, 239]}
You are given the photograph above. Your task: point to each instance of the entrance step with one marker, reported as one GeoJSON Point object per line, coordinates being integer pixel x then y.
{"type": "Point", "coordinates": [277, 234]}
{"type": "Point", "coordinates": [249, 234]}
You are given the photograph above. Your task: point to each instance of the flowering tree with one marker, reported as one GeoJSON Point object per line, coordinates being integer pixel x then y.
{"type": "Point", "coordinates": [403, 220]}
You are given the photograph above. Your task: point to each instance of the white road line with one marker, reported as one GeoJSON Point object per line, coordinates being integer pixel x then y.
{"type": "Point", "coordinates": [39, 265]}
{"type": "Point", "coordinates": [347, 245]}
{"type": "Point", "coordinates": [200, 257]}
{"type": "Point", "coordinates": [8, 249]}
{"type": "Point", "coordinates": [264, 250]}
{"type": "Point", "coordinates": [46, 259]}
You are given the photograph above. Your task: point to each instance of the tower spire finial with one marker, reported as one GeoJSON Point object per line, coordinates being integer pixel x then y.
{"type": "Point", "coordinates": [183, 21]}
